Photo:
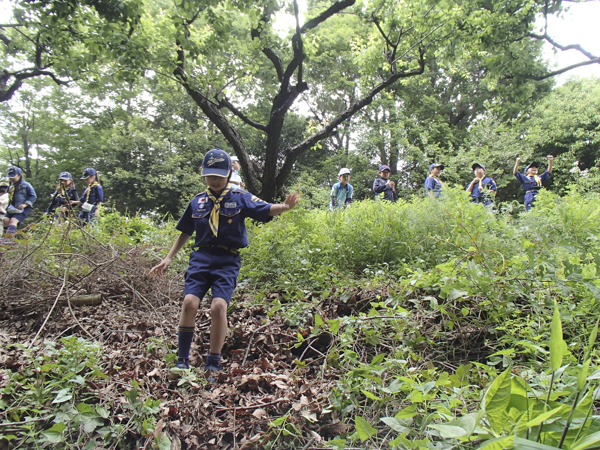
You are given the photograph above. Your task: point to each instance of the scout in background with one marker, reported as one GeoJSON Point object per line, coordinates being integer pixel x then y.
{"type": "Point", "coordinates": [21, 198]}
{"type": "Point", "coordinates": [531, 182]}
{"type": "Point", "coordinates": [383, 187]}
{"type": "Point", "coordinates": [433, 185]}
{"type": "Point", "coordinates": [92, 197]}
{"type": "Point", "coordinates": [482, 189]}
{"type": "Point", "coordinates": [341, 192]}
{"type": "Point", "coordinates": [217, 217]}
{"type": "Point", "coordinates": [3, 204]}
{"type": "Point", "coordinates": [235, 174]}
{"type": "Point", "coordinates": [65, 196]}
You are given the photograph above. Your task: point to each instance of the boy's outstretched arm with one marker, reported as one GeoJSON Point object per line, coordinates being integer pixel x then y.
{"type": "Point", "coordinates": [165, 263]}
{"type": "Point", "coordinates": [290, 202]}
{"type": "Point", "coordinates": [550, 161]}
{"type": "Point", "coordinates": [516, 166]}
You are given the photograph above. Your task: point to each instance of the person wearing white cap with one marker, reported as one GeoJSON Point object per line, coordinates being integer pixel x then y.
{"type": "Point", "coordinates": [235, 173]}
{"type": "Point", "coordinates": [341, 192]}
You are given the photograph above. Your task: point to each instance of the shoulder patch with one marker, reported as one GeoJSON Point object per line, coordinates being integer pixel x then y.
{"type": "Point", "coordinates": [240, 191]}
{"type": "Point", "coordinates": [255, 199]}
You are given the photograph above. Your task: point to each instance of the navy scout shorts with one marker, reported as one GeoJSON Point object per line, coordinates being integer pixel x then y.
{"type": "Point", "coordinates": [22, 216]}
{"type": "Point", "coordinates": [215, 268]}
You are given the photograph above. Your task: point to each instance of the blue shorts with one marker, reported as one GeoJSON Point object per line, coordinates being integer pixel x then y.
{"type": "Point", "coordinates": [20, 217]}
{"type": "Point", "coordinates": [215, 268]}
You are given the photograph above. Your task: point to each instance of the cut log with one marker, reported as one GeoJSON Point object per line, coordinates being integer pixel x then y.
{"type": "Point", "coordinates": [86, 300]}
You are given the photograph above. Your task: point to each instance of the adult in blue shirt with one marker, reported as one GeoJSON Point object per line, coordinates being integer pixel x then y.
{"type": "Point", "coordinates": [433, 184]}
{"type": "Point", "coordinates": [482, 189]}
{"type": "Point", "coordinates": [530, 181]}
{"type": "Point", "coordinates": [21, 197]}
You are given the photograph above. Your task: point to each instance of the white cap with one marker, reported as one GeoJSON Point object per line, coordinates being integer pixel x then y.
{"type": "Point", "coordinates": [344, 171]}
{"type": "Point", "coordinates": [234, 158]}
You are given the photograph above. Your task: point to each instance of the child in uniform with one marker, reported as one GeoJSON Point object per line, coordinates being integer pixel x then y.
{"type": "Point", "coordinates": [482, 189]}
{"type": "Point", "coordinates": [384, 185]}
{"type": "Point", "coordinates": [3, 204]}
{"type": "Point", "coordinates": [531, 182]}
{"type": "Point", "coordinates": [92, 197]}
{"type": "Point", "coordinates": [235, 174]}
{"type": "Point", "coordinates": [341, 193]}
{"type": "Point", "coordinates": [64, 197]}
{"type": "Point", "coordinates": [217, 217]}
{"type": "Point", "coordinates": [21, 197]}
{"type": "Point", "coordinates": [433, 185]}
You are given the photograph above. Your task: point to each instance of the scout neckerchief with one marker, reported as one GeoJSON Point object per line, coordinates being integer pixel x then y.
{"type": "Point", "coordinates": [538, 180]}
{"type": "Point", "coordinates": [89, 190]}
{"type": "Point", "coordinates": [11, 192]}
{"type": "Point", "coordinates": [480, 183]}
{"type": "Point", "coordinates": [214, 214]}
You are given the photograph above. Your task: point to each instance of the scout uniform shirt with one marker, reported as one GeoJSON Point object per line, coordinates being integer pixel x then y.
{"type": "Point", "coordinates": [435, 185]}
{"type": "Point", "coordinates": [379, 186]}
{"type": "Point", "coordinates": [235, 207]}
{"type": "Point", "coordinates": [340, 194]}
{"type": "Point", "coordinates": [482, 194]}
{"type": "Point", "coordinates": [531, 186]}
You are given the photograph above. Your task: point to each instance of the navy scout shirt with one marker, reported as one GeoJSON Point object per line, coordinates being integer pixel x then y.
{"type": "Point", "coordinates": [487, 183]}
{"type": "Point", "coordinates": [235, 207]}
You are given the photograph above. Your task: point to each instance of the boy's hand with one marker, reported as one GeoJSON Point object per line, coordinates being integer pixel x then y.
{"type": "Point", "coordinates": [518, 159]}
{"type": "Point", "coordinates": [161, 268]}
{"type": "Point", "coordinates": [292, 200]}
{"type": "Point", "coordinates": [550, 157]}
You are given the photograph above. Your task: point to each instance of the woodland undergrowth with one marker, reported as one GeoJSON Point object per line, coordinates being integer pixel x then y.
{"type": "Point", "coordinates": [421, 324]}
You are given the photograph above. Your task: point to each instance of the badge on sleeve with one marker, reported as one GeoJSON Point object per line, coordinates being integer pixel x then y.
{"type": "Point", "coordinates": [255, 199]}
{"type": "Point", "coordinates": [230, 205]}
{"type": "Point", "coordinates": [201, 200]}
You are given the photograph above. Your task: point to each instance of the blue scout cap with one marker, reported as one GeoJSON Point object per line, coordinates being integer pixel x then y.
{"type": "Point", "coordinates": [434, 165]}
{"type": "Point", "coordinates": [477, 166]}
{"type": "Point", "coordinates": [13, 172]}
{"type": "Point", "coordinates": [384, 167]}
{"type": "Point", "coordinates": [216, 163]}
{"type": "Point", "coordinates": [533, 164]}
{"type": "Point", "coordinates": [89, 172]}
{"type": "Point", "coordinates": [65, 176]}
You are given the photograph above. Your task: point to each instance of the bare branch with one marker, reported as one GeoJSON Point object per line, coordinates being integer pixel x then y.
{"type": "Point", "coordinates": [227, 104]}
{"type": "Point", "coordinates": [332, 10]}
{"type": "Point", "coordinates": [418, 42]}
{"type": "Point", "coordinates": [563, 47]}
{"type": "Point", "coordinates": [563, 70]}
{"type": "Point", "coordinates": [268, 52]}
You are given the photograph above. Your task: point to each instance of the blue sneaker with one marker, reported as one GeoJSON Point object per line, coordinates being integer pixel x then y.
{"type": "Point", "coordinates": [210, 372]}
{"type": "Point", "coordinates": [183, 363]}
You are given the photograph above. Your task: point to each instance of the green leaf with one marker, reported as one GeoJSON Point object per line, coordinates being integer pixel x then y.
{"type": "Point", "coordinates": [543, 417]}
{"type": "Point", "coordinates": [587, 441]}
{"type": "Point", "coordinates": [370, 395]}
{"type": "Point", "coordinates": [318, 321]}
{"type": "Point", "coordinates": [63, 395]}
{"type": "Point", "coordinates": [377, 359]}
{"type": "Point", "coordinates": [583, 374]}
{"type": "Point", "coordinates": [334, 325]}
{"type": "Point", "coordinates": [499, 443]}
{"type": "Point", "coordinates": [557, 344]}
{"type": "Point", "coordinates": [496, 400]}
{"type": "Point", "coordinates": [449, 431]}
{"type": "Point", "coordinates": [407, 412]}
{"type": "Point", "coordinates": [363, 428]}
{"type": "Point", "coordinates": [55, 434]}
{"type": "Point", "coordinates": [526, 444]}
{"type": "Point", "coordinates": [395, 424]}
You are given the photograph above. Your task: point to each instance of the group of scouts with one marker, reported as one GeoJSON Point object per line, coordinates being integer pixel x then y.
{"type": "Point", "coordinates": [18, 196]}
{"type": "Point", "coordinates": [483, 189]}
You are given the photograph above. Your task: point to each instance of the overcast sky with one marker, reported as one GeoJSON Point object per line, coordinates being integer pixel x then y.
{"type": "Point", "coordinates": [578, 26]}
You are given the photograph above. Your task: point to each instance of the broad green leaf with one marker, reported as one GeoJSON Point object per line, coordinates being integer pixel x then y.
{"type": "Point", "coordinates": [588, 441]}
{"type": "Point", "coordinates": [499, 443]}
{"type": "Point", "coordinates": [318, 321]}
{"type": "Point", "coordinates": [334, 325]}
{"type": "Point", "coordinates": [407, 412]}
{"type": "Point", "coordinates": [557, 344]}
{"type": "Point", "coordinates": [363, 428]}
{"type": "Point", "coordinates": [63, 395]}
{"type": "Point", "coordinates": [583, 374]}
{"type": "Point", "coordinates": [543, 417]}
{"type": "Point", "coordinates": [449, 431]}
{"type": "Point", "coordinates": [395, 424]}
{"type": "Point", "coordinates": [526, 444]}
{"type": "Point", "coordinates": [377, 359]}
{"type": "Point", "coordinates": [496, 400]}
{"type": "Point", "coordinates": [55, 433]}
{"type": "Point", "coordinates": [370, 395]}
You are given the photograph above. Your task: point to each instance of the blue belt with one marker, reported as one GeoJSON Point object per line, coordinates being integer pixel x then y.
{"type": "Point", "coordinates": [235, 251]}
